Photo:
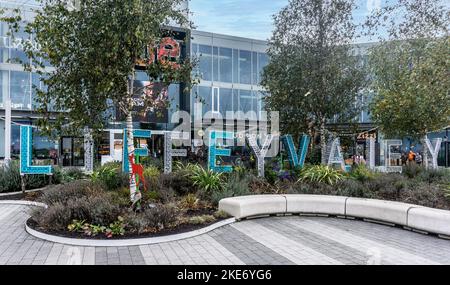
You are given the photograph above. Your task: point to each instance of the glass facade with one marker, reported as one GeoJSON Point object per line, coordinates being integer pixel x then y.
{"type": "Point", "coordinates": [230, 77]}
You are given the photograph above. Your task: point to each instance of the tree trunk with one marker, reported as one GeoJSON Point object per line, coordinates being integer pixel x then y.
{"type": "Point", "coordinates": [135, 195]}
{"type": "Point", "coordinates": [424, 151]}
{"type": "Point", "coordinates": [323, 143]}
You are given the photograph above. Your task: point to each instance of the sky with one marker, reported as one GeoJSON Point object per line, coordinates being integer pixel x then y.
{"type": "Point", "coordinates": [250, 18]}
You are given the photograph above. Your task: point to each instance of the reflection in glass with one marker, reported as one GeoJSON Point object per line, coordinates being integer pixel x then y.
{"type": "Point", "coordinates": [216, 64]}
{"type": "Point", "coordinates": [20, 90]}
{"type": "Point", "coordinates": [205, 62]}
{"type": "Point", "coordinates": [245, 67]}
{"type": "Point", "coordinates": [226, 65]}
{"type": "Point", "coordinates": [204, 97]}
{"type": "Point", "coordinates": [263, 60]}
{"type": "Point", "coordinates": [226, 101]}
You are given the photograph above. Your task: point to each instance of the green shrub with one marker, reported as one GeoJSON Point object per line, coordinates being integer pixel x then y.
{"type": "Point", "coordinates": [199, 220]}
{"type": "Point", "coordinates": [362, 173]}
{"type": "Point", "coordinates": [387, 186]}
{"type": "Point", "coordinates": [55, 217]}
{"type": "Point", "coordinates": [71, 174]}
{"type": "Point", "coordinates": [235, 186]}
{"type": "Point", "coordinates": [151, 173]}
{"type": "Point", "coordinates": [99, 210]}
{"type": "Point", "coordinates": [412, 170]}
{"type": "Point", "coordinates": [434, 176]}
{"type": "Point", "coordinates": [111, 176]}
{"type": "Point", "coordinates": [322, 174]}
{"type": "Point", "coordinates": [206, 180]}
{"type": "Point", "coordinates": [72, 190]}
{"type": "Point", "coordinates": [353, 188]}
{"type": "Point", "coordinates": [174, 183]}
{"type": "Point", "coordinates": [447, 192]}
{"type": "Point", "coordinates": [190, 202]}
{"type": "Point", "coordinates": [220, 215]}
{"type": "Point", "coordinates": [425, 194]}
{"type": "Point", "coordinates": [154, 218]}
{"type": "Point", "coordinates": [79, 200]}
{"type": "Point", "coordinates": [10, 180]}
{"type": "Point", "coordinates": [150, 161]}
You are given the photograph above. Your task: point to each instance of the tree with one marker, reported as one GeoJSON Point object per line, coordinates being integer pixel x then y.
{"type": "Point", "coordinates": [94, 48]}
{"type": "Point", "coordinates": [410, 68]}
{"type": "Point", "coordinates": [313, 77]}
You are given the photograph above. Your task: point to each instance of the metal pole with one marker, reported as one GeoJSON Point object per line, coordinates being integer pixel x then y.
{"type": "Point", "coordinates": [7, 131]}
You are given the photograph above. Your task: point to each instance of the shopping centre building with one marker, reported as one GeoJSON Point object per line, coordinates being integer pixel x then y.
{"type": "Point", "coordinates": [230, 71]}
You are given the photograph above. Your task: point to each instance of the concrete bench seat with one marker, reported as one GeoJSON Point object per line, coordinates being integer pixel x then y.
{"type": "Point", "coordinates": [430, 220]}
{"type": "Point", "coordinates": [316, 204]}
{"type": "Point", "coordinates": [407, 215]}
{"type": "Point", "coordinates": [257, 205]}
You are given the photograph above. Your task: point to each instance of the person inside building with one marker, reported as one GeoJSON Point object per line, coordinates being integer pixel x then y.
{"type": "Point", "coordinates": [418, 158]}
{"type": "Point", "coordinates": [411, 157]}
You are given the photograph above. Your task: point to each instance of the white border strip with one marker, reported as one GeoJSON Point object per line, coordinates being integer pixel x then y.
{"type": "Point", "coordinates": [126, 242]}
{"type": "Point", "coordinates": [22, 203]}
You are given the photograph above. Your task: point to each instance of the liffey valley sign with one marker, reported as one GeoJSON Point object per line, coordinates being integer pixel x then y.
{"type": "Point", "coordinates": [264, 145]}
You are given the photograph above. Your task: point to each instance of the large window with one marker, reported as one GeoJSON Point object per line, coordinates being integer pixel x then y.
{"type": "Point", "coordinates": [245, 67]}
{"type": "Point", "coordinates": [216, 64]}
{"type": "Point", "coordinates": [235, 66]}
{"type": "Point", "coordinates": [226, 65]}
{"type": "Point", "coordinates": [226, 101]}
{"type": "Point", "coordinates": [263, 60]}
{"type": "Point", "coordinates": [246, 100]}
{"type": "Point", "coordinates": [3, 86]}
{"type": "Point", "coordinates": [204, 96]}
{"type": "Point", "coordinates": [20, 90]}
{"type": "Point", "coordinates": [205, 62]}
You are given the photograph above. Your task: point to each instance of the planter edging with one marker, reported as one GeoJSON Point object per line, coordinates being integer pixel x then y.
{"type": "Point", "coordinates": [126, 242]}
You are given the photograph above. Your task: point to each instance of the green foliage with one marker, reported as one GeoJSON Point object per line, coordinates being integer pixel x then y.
{"type": "Point", "coordinates": [76, 226]}
{"type": "Point", "coordinates": [116, 228]}
{"type": "Point", "coordinates": [412, 170]}
{"type": "Point", "coordinates": [156, 217]}
{"type": "Point", "coordinates": [93, 56]}
{"type": "Point", "coordinates": [190, 202]}
{"type": "Point", "coordinates": [220, 215]}
{"type": "Point", "coordinates": [447, 192]}
{"type": "Point", "coordinates": [411, 86]}
{"type": "Point", "coordinates": [71, 174]}
{"type": "Point", "coordinates": [207, 180]}
{"type": "Point", "coordinates": [10, 180]}
{"type": "Point", "coordinates": [174, 183]}
{"type": "Point", "coordinates": [312, 75]}
{"type": "Point", "coordinates": [435, 176]}
{"type": "Point", "coordinates": [110, 176]}
{"type": "Point", "coordinates": [362, 173]}
{"type": "Point", "coordinates": [199, 220]}
{"type": "Point", "coordinates": [321, 174]}
{"type": "Point", "coordinates": [234, 187]}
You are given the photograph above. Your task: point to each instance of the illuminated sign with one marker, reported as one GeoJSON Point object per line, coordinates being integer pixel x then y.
{"type": "Point", "coordinates": [26, 147]}
{"type": "Point", "coordinates": [296, 160]}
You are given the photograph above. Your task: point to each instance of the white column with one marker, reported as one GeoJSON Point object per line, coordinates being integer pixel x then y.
{"type": "Point", "coordinates": [7, 131]}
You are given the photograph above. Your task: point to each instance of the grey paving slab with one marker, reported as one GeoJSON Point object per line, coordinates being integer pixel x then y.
{"type": "Point", "coordinates": [275, 240]}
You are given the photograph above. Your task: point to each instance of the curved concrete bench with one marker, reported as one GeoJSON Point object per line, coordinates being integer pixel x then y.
{"type": "Point", "coordinates": [379, 210]}
{"type": "Point", "coordinates": [430, 220]}
{"type": "Point", "coordinates": [406, 215]}
{"type": "Point", "coordinates": [250, 206]}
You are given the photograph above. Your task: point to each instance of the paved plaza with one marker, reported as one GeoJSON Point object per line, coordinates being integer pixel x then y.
{"type": "Point", "coordinates": [269, 241]}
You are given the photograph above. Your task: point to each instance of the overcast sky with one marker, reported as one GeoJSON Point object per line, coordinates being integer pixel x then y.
{"type": "Point", "coordinates": [250, 18]}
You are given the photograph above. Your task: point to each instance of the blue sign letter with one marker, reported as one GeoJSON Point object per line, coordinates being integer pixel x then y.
{"type": "Point", "coordinates": [26, 160]}
{"type": "Point", "coordinates": [144, 134]}
{"type": "Point", "coordinates": [294, 159]}
{"type": "Point", "coordinates": [214, 152]}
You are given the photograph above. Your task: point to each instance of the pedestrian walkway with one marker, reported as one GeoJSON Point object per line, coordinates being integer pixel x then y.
{"type": "Point", "coordinates": [275, 240]}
